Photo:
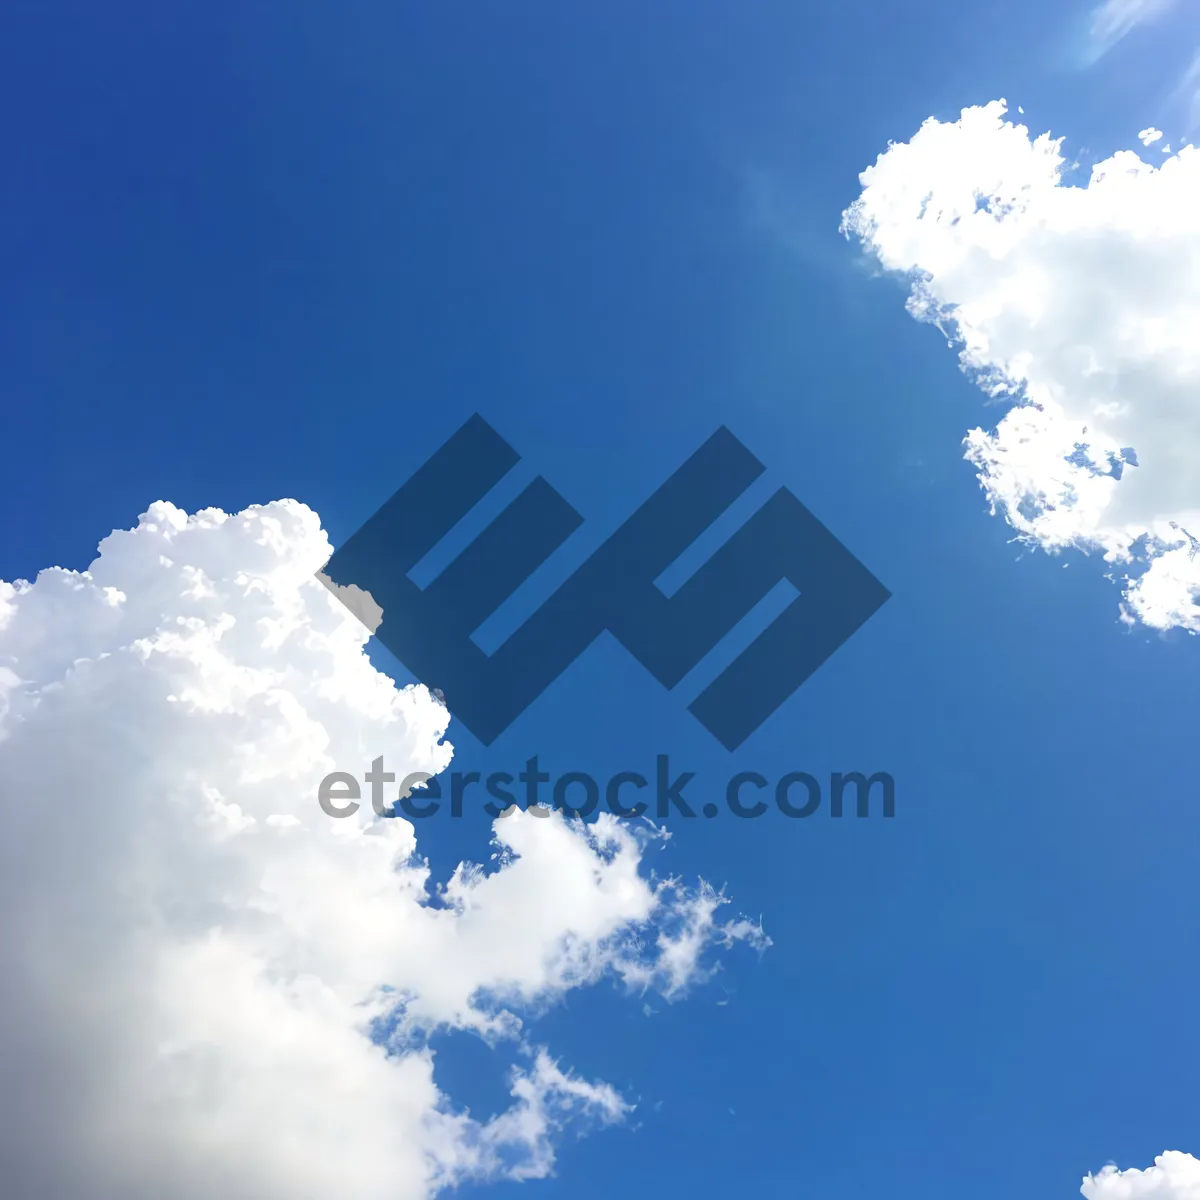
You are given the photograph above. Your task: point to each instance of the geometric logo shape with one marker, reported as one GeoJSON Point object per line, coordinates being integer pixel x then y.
{"type": "Point", "coordinates": [429, 629]}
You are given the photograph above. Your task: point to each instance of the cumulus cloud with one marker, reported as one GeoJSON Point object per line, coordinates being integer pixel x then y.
{"type": "Point", "coordinates": [210, 988]}
{"type": "Point", "coordinates": [1078, 307]}
{"type": "Point", "coordinates": [1149, 136]}
{"type": "Point", "coordinates": [1174, 1176]}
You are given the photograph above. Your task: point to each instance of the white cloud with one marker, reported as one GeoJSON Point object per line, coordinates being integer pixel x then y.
{"type": "Point", "coordinates": [1113, 19]}
{"type": "Point", "coordinates": [1174, 1176]}
{"type": "Point", "coordinates": [1079, 306]}
{"type": "Point", "coordinates": [197, 960]}
{"type": "Point", "coordinates": [1149, 136]}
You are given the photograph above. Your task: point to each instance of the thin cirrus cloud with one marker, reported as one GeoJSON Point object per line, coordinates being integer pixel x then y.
{"type": "Point", "coordinates": [1187, 94]}
{"type": "Point", "coordinates": [210, 988]}
{"type": "Point", "coordinates": [1079, 307]}
{"type": "Point", "coordinates": [1114, 19]}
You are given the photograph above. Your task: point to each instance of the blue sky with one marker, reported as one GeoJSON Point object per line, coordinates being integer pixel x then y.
{"type": "Point", "coordinates": [254, 252]}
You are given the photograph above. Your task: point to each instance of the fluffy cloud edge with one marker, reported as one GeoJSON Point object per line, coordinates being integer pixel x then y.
{"type": "Point", "coordinates": [1173, 1176]}
{"type": "Point", "coordinates": [198, 946]}
{"type": "Point", "coordinates": [1063, 303]}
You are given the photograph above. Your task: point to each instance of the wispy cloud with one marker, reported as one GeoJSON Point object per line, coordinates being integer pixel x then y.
{"type": "Point", "coordinates": [1113, 19]}
{"type": "Point", "coordinates": [1187, 91]}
